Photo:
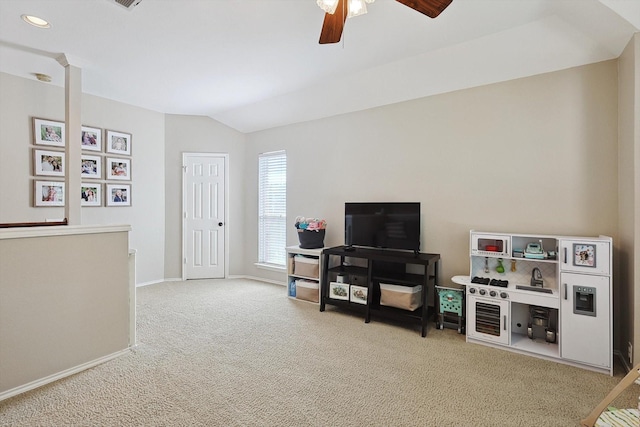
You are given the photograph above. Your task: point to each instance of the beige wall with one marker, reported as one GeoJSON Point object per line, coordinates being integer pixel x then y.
{"type": "Point", "coordinates": [56, 316]}
{"type": "Point", "coordinates": [534, 155]}
{"type": "Point", "coordinates": [20, 100]}
{"type": "Point", "coordinates": [628, 258]}
{"type": "Point", "coordinates": [195, 134]}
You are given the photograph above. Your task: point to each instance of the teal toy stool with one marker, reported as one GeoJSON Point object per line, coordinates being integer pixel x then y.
{"type": "Point", "coordinates": [451, 309]}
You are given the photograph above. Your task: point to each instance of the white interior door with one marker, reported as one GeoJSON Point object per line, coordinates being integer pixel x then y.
{"type": "Point", "coordinates": [204, 216]}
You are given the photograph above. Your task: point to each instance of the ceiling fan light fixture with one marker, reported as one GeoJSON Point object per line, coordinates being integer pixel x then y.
{"type": "Point", "coordinates": [35, 21]}
{"type": "Point", "coordinates": [328, 6]}
{"type": "Point", "coordinates": [356, 8]}
{"type": "Point", "coordinates": [334, 21]}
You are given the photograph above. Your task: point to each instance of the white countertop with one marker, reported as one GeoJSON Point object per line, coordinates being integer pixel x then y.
{"type": "Point", "coordinates": [461, 280]}
{"type": "Point", "coordinates": [516, 295]}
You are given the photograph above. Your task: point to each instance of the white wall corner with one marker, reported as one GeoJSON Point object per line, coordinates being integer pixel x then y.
{"type": "Point", "coordinates": [67, 60]}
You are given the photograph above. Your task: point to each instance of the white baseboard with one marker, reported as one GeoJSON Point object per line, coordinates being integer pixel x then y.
{"type": "Point", "coordinates": [67, 372]}
{"type": "Point", "coordinates": [234, 276]}
{"type": "Point", "coordinates": [155, 282]}
{"type": "Point", "coordinates": [258, 279]}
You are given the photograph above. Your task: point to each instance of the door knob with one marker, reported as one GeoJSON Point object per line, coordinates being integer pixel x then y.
{"type": "Point", "coordinates": [220, 224]}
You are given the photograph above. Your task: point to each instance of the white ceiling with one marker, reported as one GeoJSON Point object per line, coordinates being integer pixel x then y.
{"type": "Point", "coordinates": [257, 64]}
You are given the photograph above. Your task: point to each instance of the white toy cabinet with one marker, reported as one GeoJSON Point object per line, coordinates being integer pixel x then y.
{"type": "Point", "coordinates": [541, 295]}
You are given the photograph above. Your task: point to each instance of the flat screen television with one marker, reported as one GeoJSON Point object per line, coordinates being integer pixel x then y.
{"type": "Point", "coordinates": [388, 225]}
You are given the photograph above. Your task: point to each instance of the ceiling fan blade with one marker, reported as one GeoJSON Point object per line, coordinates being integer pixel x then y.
{"type": "Point", "coordinates": [431, 8]}
{"type": "Point", "coordinates": [333, 24]}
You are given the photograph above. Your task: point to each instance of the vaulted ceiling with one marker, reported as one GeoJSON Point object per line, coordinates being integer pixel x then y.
{"type": "Point", "coordinates": [257, 64]}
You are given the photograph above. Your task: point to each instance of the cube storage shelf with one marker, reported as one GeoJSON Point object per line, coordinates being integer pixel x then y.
{"type": "Point", "coordinates": [303, 266]}
{"type": "Point", "coordinates": [390, 267]}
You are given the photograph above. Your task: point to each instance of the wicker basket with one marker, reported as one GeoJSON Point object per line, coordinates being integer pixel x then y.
{"type": "Point", "coordinates": [311, 239]}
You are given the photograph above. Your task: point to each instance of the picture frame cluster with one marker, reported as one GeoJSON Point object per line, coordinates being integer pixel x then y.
{"type": "Point", "coordinates": [105, 164]}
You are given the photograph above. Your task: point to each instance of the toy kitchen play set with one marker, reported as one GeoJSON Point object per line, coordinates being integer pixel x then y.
{"type": "Point", "coordinates": [545, 296]}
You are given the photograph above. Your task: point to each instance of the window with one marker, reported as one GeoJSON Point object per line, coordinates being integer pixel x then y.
{"type": "Point", "coordinates": [272, 208]}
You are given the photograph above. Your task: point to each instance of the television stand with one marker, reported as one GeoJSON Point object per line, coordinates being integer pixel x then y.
{"type": "Point", "coordinates": [387, 267]}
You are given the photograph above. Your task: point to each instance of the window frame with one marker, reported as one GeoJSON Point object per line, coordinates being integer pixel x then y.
{"type": "Point", "coordinates": [272, 207]}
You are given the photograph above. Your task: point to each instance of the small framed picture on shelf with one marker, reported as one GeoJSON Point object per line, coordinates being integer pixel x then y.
{"type": "Point", "coordinates": [339, 291]}
{"type": "Point", "coordinates": [118, 143]}
{"type": "Point", "coordinates": [48, 163]}
{"type": "Point", "coordinates": [91, 166]}
{"type": "Point", "coordinates": [91, 138]}
{"type": "Point", "coordinates": [118, 195]}
{"type": "Point", "coordinates": [48, 132]}
{"type": "Point", "coordinates": [358, 294]}
{"type": "Point", "coordinates": [118, 168]}
{"type": "Point", "coordinates": [49, 193]}
{"type": "Point", "coordinates": [584, 255]}
{"type": "Point", "coordinates": [91, 194]}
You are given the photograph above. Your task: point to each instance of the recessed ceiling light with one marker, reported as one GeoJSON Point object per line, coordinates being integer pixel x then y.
{"type": "Point", "coordinates": [35, 21]}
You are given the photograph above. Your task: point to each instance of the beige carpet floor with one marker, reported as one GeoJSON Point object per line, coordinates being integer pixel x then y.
{"type": "Point", "coordinates": [240, 353]}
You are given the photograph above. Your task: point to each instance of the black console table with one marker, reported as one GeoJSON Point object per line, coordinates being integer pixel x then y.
{"type": "Point", "coordinates": [382, 266]}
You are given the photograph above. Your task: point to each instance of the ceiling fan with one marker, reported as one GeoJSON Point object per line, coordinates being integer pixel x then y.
{"type": "Point", "coordinates": [337, 12]}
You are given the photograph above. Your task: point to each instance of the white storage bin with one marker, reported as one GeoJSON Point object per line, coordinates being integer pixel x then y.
{"type": "Point", "coordinates": [307, 290]}
{"type": "Point", "coordinates": [305, 266]}
{"type": "Point", "coordinates": [404, 297]}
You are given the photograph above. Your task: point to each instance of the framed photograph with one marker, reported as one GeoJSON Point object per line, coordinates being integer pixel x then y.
{"type": "Point", "coordinates": [50, 163]}
{"type": "Point", "coordinates": [339, 291]}
{"type": "Point", "coordinates": [118, 143]}
{"type": "Point", "coordinates": [358, 294]}
{"type": "Point", "coordinates": [49, 193]}
{"type": "Point", "coordinates": [91, 138]}
{"type": "Point", "coordinates": [118, 168]}
{"type": "Point", "coordinates": [91, 194]}
{"type": "Point", "coordinates": [91, 166]}
{"type": "Point", "coordinates": [584, 255]}
{"type": "Point", "coordinates": [48, 132]}
{"type": "Point", "coordinates": [118, 195]}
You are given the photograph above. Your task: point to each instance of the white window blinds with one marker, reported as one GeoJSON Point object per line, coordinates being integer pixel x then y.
{"type": "Point", "coordinates": [272, 208]}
